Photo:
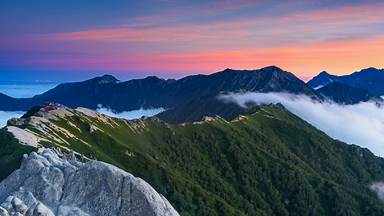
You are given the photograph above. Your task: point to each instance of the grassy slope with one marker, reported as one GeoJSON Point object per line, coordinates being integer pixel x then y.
{"type": "Point", "coordinates": [11, 153]}
{"type": "Point", "coordinates": [269, 163]}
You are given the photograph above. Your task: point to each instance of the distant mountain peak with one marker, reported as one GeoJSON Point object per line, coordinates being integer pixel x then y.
{"type": "Point", "coordinates": [323, 73]}
{"type": "Point", "coordinates": [152, 78]}
{"type": "Point", "coordinates": [321, 80]}
{"type": "Point", "coordinates": [370, 70]}
{"type": "Point", "coordinates": [370, 79]}
{"type": "Point", "coordinates": [346, 94]}
{"type": "Point", "coordinates": [268, 68]}
{"type": "Point", "coordinates": [272, 68]}
{"type": "Point", "coordinates": [107, 78]}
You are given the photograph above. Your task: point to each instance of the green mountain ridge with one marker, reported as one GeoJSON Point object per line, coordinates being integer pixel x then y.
{"type": "Point", "coordinates": [269, 162]}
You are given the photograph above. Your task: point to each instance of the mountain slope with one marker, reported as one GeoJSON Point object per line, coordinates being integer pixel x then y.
{"type": "Point", "coordinates": [345, 94]}
{"type": "Point", "coordinates": [8, 101]}
{"type": "Point", "coordinates": [11, 153]}
{"type": "Point", "coordinates": [370, 79]}
{"type": "Point", "coordinates": [197, 109]}
{"type": "Point", "coordinates": [154, 92]}
{"type": "Point", "coordinates": [14, 104]}
{"type": "Point", "coordinates": [269, 162]}
{"type": "Point", "coordinates": [321, 80]}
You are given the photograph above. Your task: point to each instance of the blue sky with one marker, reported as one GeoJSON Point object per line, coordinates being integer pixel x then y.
{"type": "Point", "coordinates": [69, 40]}
{"type": "Point", "coordinates": [25, 90]}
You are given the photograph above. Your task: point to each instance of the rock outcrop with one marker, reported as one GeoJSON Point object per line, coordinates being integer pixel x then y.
{"type": "Point", "coordinates": [49, 183]}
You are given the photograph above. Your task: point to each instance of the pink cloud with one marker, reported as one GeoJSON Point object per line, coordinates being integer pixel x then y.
{"type": "Point", "coordinates": [297, 29]}
{"type": "Point", "coordinates": [337, 56]}
{"type": "Point", "coordinates": [304, 42]}
{"type": "Point", "coordinates": [365, 13]}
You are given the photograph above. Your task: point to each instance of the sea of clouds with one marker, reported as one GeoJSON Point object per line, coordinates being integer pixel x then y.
{"type": "Point", "coordinates": [20, 91]}
{"type": "Point", "coordinates": [4, 116]}
{"type": "Point", "coordinates": [361, 124]}
{"type": "Point", "coordinates": [129, 115]}
{"type": "Point", "coordinates": [378, 188]}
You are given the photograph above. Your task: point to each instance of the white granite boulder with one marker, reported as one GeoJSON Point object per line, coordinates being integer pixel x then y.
{"type": "Point", "coordinates": [48, 184]}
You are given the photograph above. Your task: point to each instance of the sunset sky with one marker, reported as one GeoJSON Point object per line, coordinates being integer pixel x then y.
{"type": "Point", "coordinates": [63, 40]}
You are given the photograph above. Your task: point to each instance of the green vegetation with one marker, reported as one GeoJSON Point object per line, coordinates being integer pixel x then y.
{"type": "Point", "coordinates": [11, 153]}
{"type": "Point", "coordinates": [267, 163]}
{"type": "Point", "coordinates": [32, 111]}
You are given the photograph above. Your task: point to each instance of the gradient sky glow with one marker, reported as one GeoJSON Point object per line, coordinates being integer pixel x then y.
{"type": "Point", "coordinates": [62, 40]}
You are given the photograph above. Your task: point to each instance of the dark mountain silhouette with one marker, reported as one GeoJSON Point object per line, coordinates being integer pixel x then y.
{"type": "Point", "coordinates": [370, 79]}
{"type": "Point", "coordinates": [345, 94]}
{"type": "Point", "coordinates": [155, 92]}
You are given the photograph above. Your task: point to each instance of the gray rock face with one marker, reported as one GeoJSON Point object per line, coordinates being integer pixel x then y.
{"type": "Point", "coordinates": [48, 184]}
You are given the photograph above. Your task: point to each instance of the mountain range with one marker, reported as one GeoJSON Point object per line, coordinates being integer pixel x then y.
{"type": "Point", "coordinates": [193, 97]}
{"type": "Point", "coordinates": [345, 94]}
{"type": "Point", "coordinates": [206, 156]}
{"type": "Point", "coordinates": [155, 92]}
{"type": "Point", "coordinates": [370, 79]}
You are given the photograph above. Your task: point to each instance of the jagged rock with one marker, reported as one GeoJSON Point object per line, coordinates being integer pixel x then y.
{"type": "Point", "coordinates": [47, 185]}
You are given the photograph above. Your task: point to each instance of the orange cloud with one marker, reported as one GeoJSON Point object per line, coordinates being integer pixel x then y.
{"type": "Point", "coordinates": [337, 40]}
{"type": "Point", "coordinates": [366, 13]}
{"type": "Point", "coordinates": [184, 33]}
{"type": "Point", "coordinates": [316, 20]}
{"type": "Point", "coordinates": [338, 57]}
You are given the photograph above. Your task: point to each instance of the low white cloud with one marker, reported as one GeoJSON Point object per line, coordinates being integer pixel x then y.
{"type": "Point", "coordinates": [378, 188]}
{"type": "Point", "coordinates": [5, 116]}
{"type": "Point", "coordinates": [361, 124]}
{"type": "Point", "coordinates": [133, 114]}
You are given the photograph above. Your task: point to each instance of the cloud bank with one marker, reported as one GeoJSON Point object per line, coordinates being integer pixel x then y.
{"type": "Point", "coordinates": [4, 116]}
{"type": "Point", "coordinates": [361, 124]}
{"type": "Point", "coordinates": [134, 114]}
{"type": "Point", "coordinates": [378, 188]}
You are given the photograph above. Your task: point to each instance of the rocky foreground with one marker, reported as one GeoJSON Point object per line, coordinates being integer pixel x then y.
{"type": "Point", "coordinates": [49, 183]}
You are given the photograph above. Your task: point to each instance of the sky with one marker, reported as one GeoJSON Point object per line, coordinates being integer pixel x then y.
{"type": "Point", "coordinates": [50, 41]}
{"type": "Point", "coordinates": [25, 90]}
